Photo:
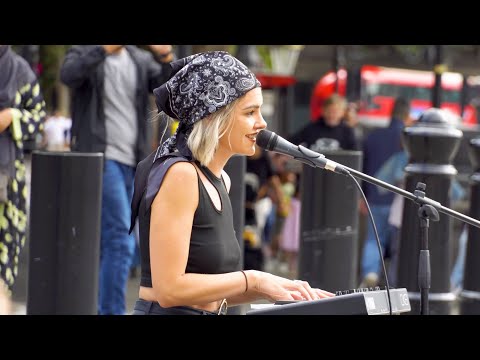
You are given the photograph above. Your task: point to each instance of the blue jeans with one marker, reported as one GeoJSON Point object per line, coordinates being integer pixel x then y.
{"type": "Point", "coordinates": [117, 246]}
{"type": "Point", "coordinates": [144, 307]}
{"type": "Point", "coordinates": [136, 252]}
{"type": "Point", "coordinates": [456, 277]}
{"type": "Point", "coordinates": [370, 257]}
{"type": "Point", "coordinates": [269, 226]}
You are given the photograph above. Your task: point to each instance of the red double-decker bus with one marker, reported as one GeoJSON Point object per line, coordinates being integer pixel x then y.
{"type": "Point", "coordinates": [374, 89]}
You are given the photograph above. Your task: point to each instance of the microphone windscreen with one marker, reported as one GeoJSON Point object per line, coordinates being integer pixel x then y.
{"type": "Point", "coordinates": [264, 139]}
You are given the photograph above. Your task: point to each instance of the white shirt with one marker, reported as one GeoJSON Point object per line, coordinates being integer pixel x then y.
{"type": "Point", "coordinates": [56, 130]}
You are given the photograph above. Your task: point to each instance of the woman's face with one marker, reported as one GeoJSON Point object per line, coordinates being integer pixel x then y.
{"type": "Point", "coordinates": [333, 114]}
{"type": "Point", "coordinates": [246, 124]}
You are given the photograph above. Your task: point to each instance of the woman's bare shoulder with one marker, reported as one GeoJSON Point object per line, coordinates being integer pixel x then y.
{"type": "Point", "coordinates": [179, 185]}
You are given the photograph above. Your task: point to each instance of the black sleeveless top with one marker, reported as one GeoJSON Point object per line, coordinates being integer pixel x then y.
{"type": "Point", "coordinates": [214, 248]}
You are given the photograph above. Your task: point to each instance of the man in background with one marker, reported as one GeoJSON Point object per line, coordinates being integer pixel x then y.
{"type": "Point", "coordinates": [329, 132]}
{"type": "Point", "coordinates": [378, 147]}
{"type": "Point", "coordinates": [110, 98]}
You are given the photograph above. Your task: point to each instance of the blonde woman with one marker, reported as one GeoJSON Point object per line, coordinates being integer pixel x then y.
{"type": "Point", "coordinates": [190, 256]}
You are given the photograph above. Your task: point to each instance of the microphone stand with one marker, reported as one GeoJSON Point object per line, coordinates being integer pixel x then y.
{"type": "Point", "coordinates": [428, 210]}
{"type": "Point", "coordinates": [425, 213]}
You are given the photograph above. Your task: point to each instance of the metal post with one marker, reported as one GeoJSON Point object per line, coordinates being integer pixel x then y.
{"type": "Point", "coordinates": [184, 51]}
{"type": "Point", "coordinates": [335, 66]}
{"type": "Point", "coordinates": [338, 62]}
{"type": "Point", "coordinates": [431, 144]}
{"type": "Point", "coordinates": [439, 68]}
{"type": "Point", "coordinates": [329, 225]}
{"type": "Point", "coordinates": [64, 232]}
{"type": "Point", "coordinates": [464, 96]}
{"type": "Point", "coordinates": [284, 108]}
{"type": "Point", "coordinates": [243, 54]}
{"type": "Point", "coordinates": [470, 295]}
{"type": "Point", "coordinates": [236, 168]}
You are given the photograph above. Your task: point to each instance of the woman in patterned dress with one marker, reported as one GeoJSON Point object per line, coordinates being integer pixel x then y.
{"type": "Point", "coordinates": [22, 113]}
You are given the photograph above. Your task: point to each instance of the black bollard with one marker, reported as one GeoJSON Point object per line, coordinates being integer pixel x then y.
{"type": "Point", "coordinates": [328, 253]}
{"type": "Point", "coordinates": [236, 168]}
{"type": "Point", "coordinates": [64, 232]}
{"type": "Point", "coordinates": [469, 297]}
{"type": "Point", "coordinates": [431, 145]}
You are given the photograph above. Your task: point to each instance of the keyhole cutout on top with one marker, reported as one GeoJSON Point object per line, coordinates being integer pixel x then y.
{"type": "Point", "coordinates": [211, 190]}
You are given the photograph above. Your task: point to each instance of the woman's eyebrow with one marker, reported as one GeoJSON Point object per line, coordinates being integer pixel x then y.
{"type": "Point", "coordinates": [251, 107]}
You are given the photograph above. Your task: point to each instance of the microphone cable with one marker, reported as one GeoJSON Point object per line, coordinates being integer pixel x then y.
{"type": "Point", "coordinates": [378, 243]}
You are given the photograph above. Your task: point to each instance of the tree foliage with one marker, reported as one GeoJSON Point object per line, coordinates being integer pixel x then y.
{"type": "Point", "coordinates": [51, 57]}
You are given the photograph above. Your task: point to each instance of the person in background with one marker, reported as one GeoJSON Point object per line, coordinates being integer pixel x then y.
{"type": "Point", "coordinates": [379, 145]}
{"type": "Point", "coordinates": [263, 192]}
{"type": "Point", "coordinates": [22, 114]}
{"type": "Point", "coordinates": [392, 172]}
{"type": "Point", "coordinates": [330, 131]}
{"type": "Point", "coordinates": [289, 239]}
{"type": "Point", "coordinates": [456, 277]}
{"type": "Point", "coordinates": [350, 118]}
{"type": "Point", "coordinates": [191, 258]}
{"type": "Point", "coordinates": [57, 132]}
{"type": "Point", "coordinates": [277, 254]}
{"type": "Point", "coordinates": [110, 98]}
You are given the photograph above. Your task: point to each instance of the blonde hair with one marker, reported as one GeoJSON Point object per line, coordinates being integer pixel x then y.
{"type": "Point", "coordinates": [204, 138]}
{"type": "Point", "coordinates": [335, 99]}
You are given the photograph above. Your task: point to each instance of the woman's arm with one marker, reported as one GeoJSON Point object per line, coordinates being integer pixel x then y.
{"type": "Point", "coordinates": [79, 63]}
{"type": "Point", "coordinates": [28, 113]}
{"type": "Point", "coordinates": [5, 119]}
{"type": "Point", "coordinates": [170, 230]}
{"type": "Point", "coordinates": [158, 66]}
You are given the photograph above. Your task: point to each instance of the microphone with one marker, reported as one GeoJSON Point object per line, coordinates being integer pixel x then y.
{"type": "Point", "coordinates": [270, 141]}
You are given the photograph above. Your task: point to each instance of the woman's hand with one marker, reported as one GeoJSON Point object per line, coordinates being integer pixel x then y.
{"type": "Point", "coordinates": [110, 49]}
{"type": "Point", "coordinates": [274, 288]}
{"type": "Point", "coordinates": [6, 117]}
{"type": "Point", "coordinates": [163, 52]}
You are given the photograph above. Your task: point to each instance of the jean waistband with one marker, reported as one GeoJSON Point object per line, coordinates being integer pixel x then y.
{"type": "Point", "coordinates": [154, 308]}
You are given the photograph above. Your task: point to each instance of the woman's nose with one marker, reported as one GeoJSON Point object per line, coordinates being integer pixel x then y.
{"type": "Point", "coordinates": [262, 124]}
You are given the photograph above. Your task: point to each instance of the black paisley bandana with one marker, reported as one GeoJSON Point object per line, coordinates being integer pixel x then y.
{"type": "Point", "coordinates": [199, 85]}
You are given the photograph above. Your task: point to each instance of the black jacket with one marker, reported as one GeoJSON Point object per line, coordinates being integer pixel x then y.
{"type": "Point", "coordinates": [82, 73]}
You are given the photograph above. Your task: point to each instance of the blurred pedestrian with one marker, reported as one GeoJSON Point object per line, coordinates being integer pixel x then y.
{"type": "Point", "coordinates": [22, 113]}
{"type": "Point", "coordinates": [263, 192]}
{"type": "Point", "coordinates": [191, 258]}
{"type": "Point", "coordinates": [392, 172]}
{"type": "Point", "coordinates": [289, 239]}
{"type": "Point", "coordinates": [351, 117]}
{"type": "Point", "coordinates": [378, 147]}
{"type": "Point", "coordinates": [57, 132]}
{"type": "Point", "coordinates": [111, 86]}
{"type": "Point", "coordinates": [330, 131]}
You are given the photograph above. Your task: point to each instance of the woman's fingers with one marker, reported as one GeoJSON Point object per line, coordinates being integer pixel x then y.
{"type": "Point", "coordinates": [324, 294]}
{"type": "Point", "coordinates": [296, 295]}
{"type": "Point", "coordinates": [312, 295]}
{"type": "Point", "coordinates": [309, 293]}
